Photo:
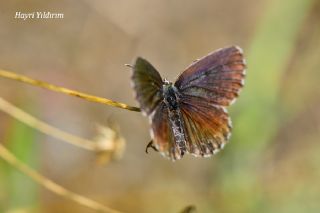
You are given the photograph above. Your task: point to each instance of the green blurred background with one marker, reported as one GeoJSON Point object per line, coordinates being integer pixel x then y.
{"type": "Point", "coordinates": [272, 163]}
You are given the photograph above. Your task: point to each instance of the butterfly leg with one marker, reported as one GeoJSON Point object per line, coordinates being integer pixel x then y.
{"type": "Point", "coordinates": [150, 144]}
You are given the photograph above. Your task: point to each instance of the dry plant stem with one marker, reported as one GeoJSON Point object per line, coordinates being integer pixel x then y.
{"type": "Point", "coordinates": [25, 79]}
{"type": "Point", "coordinates": [33, 122]}
{"type": "Point", "coordinates": [50, 185]}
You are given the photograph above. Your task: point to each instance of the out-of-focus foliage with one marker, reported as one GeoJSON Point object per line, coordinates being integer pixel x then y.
{"type": "Point", "coordinates": [272, 162]}
{"type": "Point", "coordinates": [21, 191]}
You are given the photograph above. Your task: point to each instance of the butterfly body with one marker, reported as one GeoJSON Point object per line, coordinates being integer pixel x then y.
{"type": "Point", "coordinates": [189, 115]}
{"type": "Point", "coordinates": [171, 100]}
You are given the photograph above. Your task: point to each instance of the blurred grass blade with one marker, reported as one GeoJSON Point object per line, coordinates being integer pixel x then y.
{"type": "Point", "coordinates": [108, 144]}
{"type": "Point", "coordinates": [257, 116]}
{"type": "Point", "coordinates": [23, 192]}
{"type": "Point", "coordinates": [268, 57]}
{"type": "Point", "coordinates": [7, 156]}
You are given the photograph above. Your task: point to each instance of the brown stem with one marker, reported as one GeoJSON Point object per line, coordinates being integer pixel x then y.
{"type": "Point", "coordinates": [25, 79]}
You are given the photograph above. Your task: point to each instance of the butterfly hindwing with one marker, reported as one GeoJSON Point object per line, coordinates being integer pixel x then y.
{"type": "Point", "coordinates": [147, 84]}
{"type": "Point", "coordinates": [216, 78]}
{"type": "Point", "coordinates": [162, 134]}
{"type": "Point", "coordinates": [207, 127]}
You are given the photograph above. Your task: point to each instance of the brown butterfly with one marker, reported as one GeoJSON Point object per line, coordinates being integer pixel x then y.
{"type": "Point", "coordinates": [189, 116]}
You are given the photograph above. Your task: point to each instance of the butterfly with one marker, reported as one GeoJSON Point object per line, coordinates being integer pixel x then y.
{"type": "Point", "coordinates": [190, 115]}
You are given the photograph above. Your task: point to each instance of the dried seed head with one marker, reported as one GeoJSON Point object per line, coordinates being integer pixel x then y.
{"type": "Point", "coordinates": [110, 144]}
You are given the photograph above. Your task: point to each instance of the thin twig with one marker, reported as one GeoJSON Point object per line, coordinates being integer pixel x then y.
{"type": "Point", "coordinates": [6, 155]}
{"type": "Point", "coordinates": [33, 122]}
{"type": "Point", "coordinates": [25, 79]}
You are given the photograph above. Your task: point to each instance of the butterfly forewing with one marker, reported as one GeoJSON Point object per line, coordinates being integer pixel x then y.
{"type": "Point", "coordinates": [147, 84]}
{"type": "Point", "coordinates": [216, 78]}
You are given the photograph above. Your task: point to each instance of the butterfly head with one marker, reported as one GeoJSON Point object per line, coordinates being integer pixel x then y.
{"type": "Point", "coordinates": [167, 87]}
{"type": "Point", "coordinates": [166, 82]}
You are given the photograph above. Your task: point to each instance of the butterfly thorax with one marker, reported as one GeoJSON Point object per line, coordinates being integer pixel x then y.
{"type": "Point", "coordinates": [171, 99]}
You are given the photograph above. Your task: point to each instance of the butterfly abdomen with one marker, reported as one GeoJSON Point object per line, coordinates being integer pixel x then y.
{"type": "Point", "coordinates": [175, 118]}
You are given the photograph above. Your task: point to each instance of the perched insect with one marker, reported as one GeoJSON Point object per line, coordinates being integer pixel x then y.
{"type": "Point", "coordinates": [189, 116]}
